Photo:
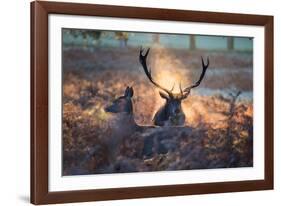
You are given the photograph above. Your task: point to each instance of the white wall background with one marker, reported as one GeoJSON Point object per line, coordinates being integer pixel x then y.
{"type": "Point", "coordinates": [14, 102]}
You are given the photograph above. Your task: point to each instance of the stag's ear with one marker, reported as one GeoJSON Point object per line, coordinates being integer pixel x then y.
{"type": "Point", "coordinates": [163, 95]}
{"type": "Point", "coordinates": [129, 92]}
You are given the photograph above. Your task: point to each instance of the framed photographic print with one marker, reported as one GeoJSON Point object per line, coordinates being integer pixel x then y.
{"type": "Point", "coordinates": [133, 102]}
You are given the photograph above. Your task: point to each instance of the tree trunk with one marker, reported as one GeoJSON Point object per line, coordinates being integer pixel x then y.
{"type": "Point", "coordinates": [156, 38]}
{"type": "Point", "coordinates": [192, 42]}
{"type": "Point", "coordinates": [230, 43]}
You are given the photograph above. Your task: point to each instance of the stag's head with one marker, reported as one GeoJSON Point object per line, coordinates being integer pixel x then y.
{"type": "Point", "coordinates": [173, 100]}
{"type": "Point", "coordinates": [122, 103]}
{"type": "Point", "coordinates": [172, 110]}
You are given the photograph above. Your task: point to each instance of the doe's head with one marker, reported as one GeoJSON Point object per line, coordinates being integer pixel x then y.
{"type": "Point", "coordinates": [122, 103]}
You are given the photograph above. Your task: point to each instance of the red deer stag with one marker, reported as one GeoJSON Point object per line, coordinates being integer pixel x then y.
{"type": "Point", "coordinates": [171, 113]}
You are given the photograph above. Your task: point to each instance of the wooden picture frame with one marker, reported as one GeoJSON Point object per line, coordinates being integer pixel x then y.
{"type": "Point", "coordinates": [40, 193]}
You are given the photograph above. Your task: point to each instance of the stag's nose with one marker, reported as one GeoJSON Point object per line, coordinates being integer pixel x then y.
{"type": "Point", "coordinates": [177, 111]}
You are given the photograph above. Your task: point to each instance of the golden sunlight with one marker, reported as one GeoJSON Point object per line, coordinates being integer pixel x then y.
{"type": "Point", "coordinates": [168, 70]}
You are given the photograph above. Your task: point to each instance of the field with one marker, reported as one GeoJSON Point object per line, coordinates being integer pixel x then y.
{"type": "Point", "coordinates": [218, 131]}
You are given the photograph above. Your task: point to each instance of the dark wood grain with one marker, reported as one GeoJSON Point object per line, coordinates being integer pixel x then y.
{"type": "Point", "coordinates": [39, 101]}
{"type": "Point", "coordinates": [269, 105]}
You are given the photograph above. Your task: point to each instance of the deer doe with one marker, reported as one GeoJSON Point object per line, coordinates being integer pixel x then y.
{"type": "Point", "coordinates": [171, 113]}
{"type": "Point", "coordinates": [125, 124]}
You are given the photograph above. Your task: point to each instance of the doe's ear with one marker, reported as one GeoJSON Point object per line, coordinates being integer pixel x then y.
{"type": "Point", "coordinates": [163, 95]}
{"type": "Point", "coordinates": [129, 92]}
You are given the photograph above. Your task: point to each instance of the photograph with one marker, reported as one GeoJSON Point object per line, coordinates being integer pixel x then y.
{"type": "Point", "coordinates": [132, 102]}
{"type": "Point", "coordinates": [153, 102]}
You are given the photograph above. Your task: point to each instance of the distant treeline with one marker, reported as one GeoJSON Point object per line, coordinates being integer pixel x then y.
{"type": "Point", "coordinates": [95, 38]}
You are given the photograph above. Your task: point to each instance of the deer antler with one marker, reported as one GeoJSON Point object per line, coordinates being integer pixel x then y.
{"type": "Point", "coordinates": [204, 68]}
{"type": "Point", "coordinates": [181, 92]}
{"type": "Point", "coordinates": [142, 59]}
